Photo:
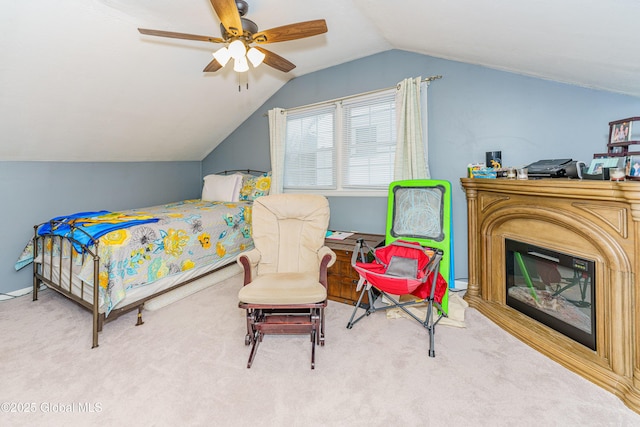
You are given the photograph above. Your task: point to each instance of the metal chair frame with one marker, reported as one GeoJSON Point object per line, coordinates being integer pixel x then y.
{"type": "Point", "coordinates": [375, 294]}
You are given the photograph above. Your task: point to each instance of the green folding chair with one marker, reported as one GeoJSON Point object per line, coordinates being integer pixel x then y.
{"type": "Point", "coordinates": [420, 211]}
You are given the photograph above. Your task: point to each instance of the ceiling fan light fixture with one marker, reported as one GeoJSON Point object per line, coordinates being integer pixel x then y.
{"type": "Point", "coordinates": [239, 33]}
{"type": "Point", "coordinates": [241, 65]}
{"type": "Point", "coordinates": [222, 55]}
{"type": "Point", "coordinates": [255, 56]}
{"type": "Point", "coordinates": [237, 49]}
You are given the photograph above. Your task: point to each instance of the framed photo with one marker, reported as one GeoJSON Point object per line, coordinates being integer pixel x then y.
{"type": "Point", "coordinates": [621, 132]}
{"type": "Point", "coordinates": [597, 165]}
{"type": "Point", "coordinates": [634, 167]}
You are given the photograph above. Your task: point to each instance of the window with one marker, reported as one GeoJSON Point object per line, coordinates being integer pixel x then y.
{"type": "Point", "coordinates": [310, 154]}
{"type": "Point", "coordinates": [341, 146]}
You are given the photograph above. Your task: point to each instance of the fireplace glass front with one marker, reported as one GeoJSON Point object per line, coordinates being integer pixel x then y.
{"type": "Point", "coordinates": [554, 288]}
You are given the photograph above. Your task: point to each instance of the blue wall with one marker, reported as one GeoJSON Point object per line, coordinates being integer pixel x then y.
{"type": "Point", "coordinates": [472, 109]}
{"type": "Point", "coordinates": [33, 192]}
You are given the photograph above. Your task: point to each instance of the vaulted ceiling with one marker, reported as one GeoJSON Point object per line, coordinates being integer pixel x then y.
{"type": "Point", "coordinates": [79, 83]}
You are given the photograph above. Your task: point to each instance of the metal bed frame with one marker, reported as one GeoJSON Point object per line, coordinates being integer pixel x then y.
{"type": "Point", "coordinates": [66, 287]}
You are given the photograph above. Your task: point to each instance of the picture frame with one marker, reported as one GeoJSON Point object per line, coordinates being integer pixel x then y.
{"type": "Point", "coordinates": [598, 165]}
{"type": "Point", "coordinates": [621, 132]}
{"type": "Point", "coordinates": [633, 167]}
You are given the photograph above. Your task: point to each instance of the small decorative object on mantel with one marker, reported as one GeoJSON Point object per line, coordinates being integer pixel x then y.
{"type": "Point", "coordinates": [473, 167]}
{"type": "Point", "coordinates": [479, 170]}
{"type": "Point", "coordinates": [633, 168]}
{"type": "Point", "coordinates": [617, 174]}
{"type": "Point", "coordinates": [494, 159]}
{"type": "Point", "coordinates": [623, 134]}
{"type": "Point", "coordinates": [523, 173]}
{"type": "Point", "coordinates": [491, 169]}
{"type": "Point", "coordinates": [601, 167]}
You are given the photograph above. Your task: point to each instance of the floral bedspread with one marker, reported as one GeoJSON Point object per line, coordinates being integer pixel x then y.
{"type": "Point", "coordinates": [187, 235]}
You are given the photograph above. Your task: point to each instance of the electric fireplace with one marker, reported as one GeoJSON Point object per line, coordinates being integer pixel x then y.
{"type": "Point", "coordinates": [573, 263]}
{"type": "Point", "coordinates": [553, 288]}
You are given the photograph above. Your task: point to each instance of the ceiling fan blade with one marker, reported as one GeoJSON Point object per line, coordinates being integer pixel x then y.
{"type": "Point", "coordinates": [228, 13]}
{"type": "Point", "coordinates": [291, 32]}
{"type": "Point", "coordinates": [212, 66]}
{"type": "Point", "coordinates": [276, 61]}
{"type": "Point", "coordinates": [184, 36]}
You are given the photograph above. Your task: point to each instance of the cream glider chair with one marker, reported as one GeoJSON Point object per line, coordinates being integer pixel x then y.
{"type": "Point", "coordinates": [285, 275]}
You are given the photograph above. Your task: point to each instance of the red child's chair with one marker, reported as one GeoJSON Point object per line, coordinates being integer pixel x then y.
{"type": "Point", "coordinates": [419, 247]}
{"type": "Point", "coordinates": [401, 268]}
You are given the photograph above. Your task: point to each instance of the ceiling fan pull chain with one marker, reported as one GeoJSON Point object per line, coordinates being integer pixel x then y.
{"type": "Point", "coordinates": [240, 81]}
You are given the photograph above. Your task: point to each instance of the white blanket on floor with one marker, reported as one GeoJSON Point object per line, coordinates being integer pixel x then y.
{"type": "Point", "coordinates": [193, 287]}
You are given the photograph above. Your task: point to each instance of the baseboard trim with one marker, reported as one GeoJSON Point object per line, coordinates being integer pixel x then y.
{"type": "Point", "coordinates": [15, 294]}
{"type": "Point", "coordinates": [461, 284]}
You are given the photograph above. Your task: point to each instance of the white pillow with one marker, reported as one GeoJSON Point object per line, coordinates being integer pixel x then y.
{"type": "Point", "coordinates": [222, 188]}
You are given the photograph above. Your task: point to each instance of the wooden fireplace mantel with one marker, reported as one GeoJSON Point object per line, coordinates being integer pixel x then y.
{"type": "Point", "coordinates": [596, 220]}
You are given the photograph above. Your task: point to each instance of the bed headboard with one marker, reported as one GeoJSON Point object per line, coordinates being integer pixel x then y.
{"type": "Point", "coordinates": [249, 171]}
{"type": "Point", "coordinates": [236, 185]}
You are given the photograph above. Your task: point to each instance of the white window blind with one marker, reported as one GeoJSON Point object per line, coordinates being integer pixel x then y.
{"type": "Point", "coordinates": [369, 143]}
{"type": "Point", "coordinates": [310, 155]}
{"type": "Point", "coordinates": [346, 145]}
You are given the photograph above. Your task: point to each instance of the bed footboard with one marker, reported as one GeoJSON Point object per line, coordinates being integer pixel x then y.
{"type": "Point", "coordinates": [57, 263]}
{"type": "Point", "coordinates": [57, 259]}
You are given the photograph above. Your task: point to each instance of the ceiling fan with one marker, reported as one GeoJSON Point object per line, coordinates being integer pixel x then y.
{"type": "Point", "coordinates": [239, 33]}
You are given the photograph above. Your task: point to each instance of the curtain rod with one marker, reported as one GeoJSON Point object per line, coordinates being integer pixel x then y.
{"type": "Point", "coordinates": [432, 78]}
{"type": "Point", "coordinates": [426, 79]}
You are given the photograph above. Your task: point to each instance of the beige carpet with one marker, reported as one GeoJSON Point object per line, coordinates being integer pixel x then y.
{"type": "Point", "coordinates": [186, 366]}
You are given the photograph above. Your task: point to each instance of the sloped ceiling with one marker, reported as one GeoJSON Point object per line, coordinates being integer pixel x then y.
{"type": "Point", "coordinates": [79, 83]}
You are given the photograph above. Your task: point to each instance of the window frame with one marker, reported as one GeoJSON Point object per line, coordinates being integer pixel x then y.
{"type": "Point", "coordinates": [339, 130]}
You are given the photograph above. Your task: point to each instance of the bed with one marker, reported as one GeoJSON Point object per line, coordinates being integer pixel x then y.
{"type": "Point", "coordinates": [113, 262]}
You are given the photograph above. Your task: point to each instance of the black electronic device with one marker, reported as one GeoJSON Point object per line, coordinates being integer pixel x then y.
{"type": "Point", "coordinates": [552, 168]}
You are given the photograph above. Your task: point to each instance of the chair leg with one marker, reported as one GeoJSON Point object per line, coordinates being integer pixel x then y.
{"type": "Point", "coordinates": [355, 309]}
{"type": "Point", "coordinates": [321, 337]}
{"type": "Point", "coordinates": [254, 348]}
{"type": "Point", "coordinates": [431, 327]}
{"type": "Point", "coordinates": [313, 349]}
{"type": "Point", "coordinates": [250, 317]}
{"type": "Point", "coordinates": [317, 332]}
{"type": "Point", "coordinates": [253, 336]}
{"type": "Point", "coordinates": [432, 352]}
